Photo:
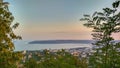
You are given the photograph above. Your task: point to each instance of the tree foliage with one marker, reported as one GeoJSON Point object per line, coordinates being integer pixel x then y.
{"type": "Point", "coordinates": [8, 58]}
{"type": "Point", "coordinates": [60, 59]}
{"type": "Point", "coordinates": [104, 24]}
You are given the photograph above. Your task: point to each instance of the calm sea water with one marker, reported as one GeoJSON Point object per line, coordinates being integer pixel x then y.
{"type": "Point", "coordinates": [23, 45]}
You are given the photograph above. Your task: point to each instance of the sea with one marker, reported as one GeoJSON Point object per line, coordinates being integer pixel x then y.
{"type": "Point", "coordinates": [25, 45]}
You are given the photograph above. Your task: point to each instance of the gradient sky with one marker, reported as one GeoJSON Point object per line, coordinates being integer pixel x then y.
{"type": "Point", "coordinates": [54, 19]}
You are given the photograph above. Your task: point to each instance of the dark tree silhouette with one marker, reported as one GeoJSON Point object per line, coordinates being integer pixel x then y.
{"type": "Point", "coordinates": [104, 24]}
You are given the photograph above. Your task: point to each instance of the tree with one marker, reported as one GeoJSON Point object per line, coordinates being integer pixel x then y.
{"type": "Point", "coordinates": [59, 59]}
{"type": "Point", "coordinates": [8, 57]}
{"type": "Point", "coordinates": [31, 64]}
{"type": "Point", "coordinates": [104, 24]}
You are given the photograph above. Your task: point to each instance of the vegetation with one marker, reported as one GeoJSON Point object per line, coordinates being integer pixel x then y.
{"type": "Point", "coordinates": [60, 59]}
{"type": "Point", "coordinates": [107, 51]}
{"type": "Point", "coordinates": [104, 24]}
{"type": "Point", "coordinates": [8, 58]}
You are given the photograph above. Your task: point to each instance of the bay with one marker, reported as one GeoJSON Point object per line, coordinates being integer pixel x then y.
{"type": "Point", "coordinates": [24, 45]}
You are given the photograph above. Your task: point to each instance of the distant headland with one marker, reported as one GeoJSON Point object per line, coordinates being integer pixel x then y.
{"type": "Point", "coordinates": [61, 42]}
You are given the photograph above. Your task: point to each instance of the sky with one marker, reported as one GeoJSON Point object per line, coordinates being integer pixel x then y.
{"type": "Point", "coordinates": [54, 19]}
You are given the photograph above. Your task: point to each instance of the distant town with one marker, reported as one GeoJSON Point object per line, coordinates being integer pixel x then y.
{"type": "Point", "coordinates": [82, 52]}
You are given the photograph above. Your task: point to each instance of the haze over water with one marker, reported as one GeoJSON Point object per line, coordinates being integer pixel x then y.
{"type": "Point", "coordinates": [54, 19]}
{"type": "Point", "coordinates": [25, 45]}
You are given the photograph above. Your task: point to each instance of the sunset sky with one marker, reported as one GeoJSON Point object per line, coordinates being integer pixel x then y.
{"type": "Point", "coordinates": [54, 19]}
